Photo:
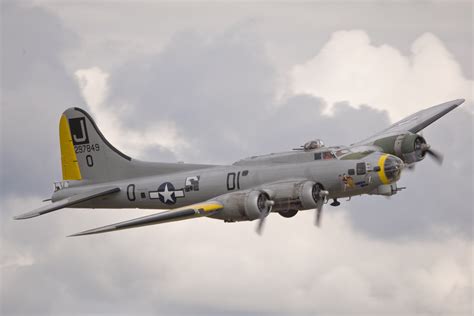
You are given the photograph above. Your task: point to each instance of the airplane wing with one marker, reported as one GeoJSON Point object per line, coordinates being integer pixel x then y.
{"type": "Point", "coordinates": [73, 200]}
{"type": "Point", "coordinates": [415, 122]}
{"type": "Point", "coordinates": [187, 212]}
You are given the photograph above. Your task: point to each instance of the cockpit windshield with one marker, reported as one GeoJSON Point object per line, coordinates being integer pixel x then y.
{"type": "Point", "coordinates": [324, 155]}
{"type": "Point", "coordinates": [342, 152]}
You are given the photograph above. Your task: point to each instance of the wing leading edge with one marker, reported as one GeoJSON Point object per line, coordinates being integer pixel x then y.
{"type": "Point", "coordinates": [188, 212]}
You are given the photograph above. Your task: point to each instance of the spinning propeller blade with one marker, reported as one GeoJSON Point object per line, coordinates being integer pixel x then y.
{"type": "Point", "coordinates": [437, 156]}
{"type": "Point", "coordinates": [319, 209]}
{"type": "Point", "coordinates": [319, 213]}
{"type": "Point", "coordinates": [263, 216]}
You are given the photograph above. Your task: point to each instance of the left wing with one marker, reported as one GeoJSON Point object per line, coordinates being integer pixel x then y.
{"type": "Point", "coordinates": [179, 214]}
{"type": "Point", "coordinates": [415, 122]}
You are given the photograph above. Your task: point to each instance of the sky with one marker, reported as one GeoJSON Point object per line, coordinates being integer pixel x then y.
{"type": "Point", "coordinates": [214, 82]}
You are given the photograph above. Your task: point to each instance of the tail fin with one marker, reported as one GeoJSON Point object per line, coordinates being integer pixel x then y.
{"type": "Point", "coordinates": [87, 155]}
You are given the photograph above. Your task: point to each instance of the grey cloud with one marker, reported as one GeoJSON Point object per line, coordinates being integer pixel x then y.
{"type": "Point", "coordinates": [214, 88]}
{"type": "Point", "coordinates": [31, 38]}
{"type": "Point", "coordinates": [219, 91]}
{"type": "Point", "coordinates": [294, 32]}
{"type": "Point", "coordinates": [36, 88]}
{"type": "Point", "coordinates": [394, 23]}
{"type": "Point", "coordinates": [158, 153]}
{"type": "Point", "coordinates": [301, 118]}
{"type": "Point", "coordinates": [220, 95]}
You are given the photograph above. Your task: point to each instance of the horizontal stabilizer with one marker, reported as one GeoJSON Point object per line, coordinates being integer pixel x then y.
{"type": "Point", "coordinates": [187, 212]}
{"type": "Point", "coordinates": [70, 201]}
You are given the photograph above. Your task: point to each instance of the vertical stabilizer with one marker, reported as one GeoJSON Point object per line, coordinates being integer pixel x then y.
{"type": "Point", "coordinates": [87, 155]}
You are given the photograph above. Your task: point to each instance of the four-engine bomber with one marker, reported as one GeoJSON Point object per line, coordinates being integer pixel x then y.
{"type": "Point", "coordinates": [97, 175]}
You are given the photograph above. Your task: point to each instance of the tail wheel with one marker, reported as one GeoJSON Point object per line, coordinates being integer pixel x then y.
{"type": "Point", "coordinates": [288, 213]}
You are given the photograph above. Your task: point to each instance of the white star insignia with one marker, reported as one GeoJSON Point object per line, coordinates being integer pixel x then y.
{"type": "Point", "coordinates": [166, 194]}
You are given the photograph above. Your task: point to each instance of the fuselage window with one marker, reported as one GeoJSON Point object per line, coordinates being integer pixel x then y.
{"type": "Point", "coordinates": [360, 167]}
{"type": "Point", "coordinates": [317, 156]}
{"type": "Point", "coordinates": [245, 172]}
{"type": "Point", "coordinates": [131, 192]}
{"type": "Point", "coordinates": [351, 172]}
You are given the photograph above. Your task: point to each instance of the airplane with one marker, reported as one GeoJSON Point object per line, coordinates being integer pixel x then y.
{"type": "Point", "coordinates": [98, 175]}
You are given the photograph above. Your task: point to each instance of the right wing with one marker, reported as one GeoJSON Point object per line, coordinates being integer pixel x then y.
{"type": "Point", "coordinates": [182, 213]}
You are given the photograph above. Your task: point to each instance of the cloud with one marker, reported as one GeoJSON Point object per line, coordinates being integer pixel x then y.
{"type": "Point", "coordinates": [212, 88]}
{"type": "Point", "coordinates": [222, 120]}
{"type": "Point", "coordinates": [93, 84]}
{"type": "Point", "coordinates": [335, 270]}
{"type": "Point", "coordinates": [220, 96]}
{"type": "Point", "coordinates": [36, 88]}
{"type": "Point", "coordinates": [350, 68]}
{"type": "Point", "coordinates": [217, 95]}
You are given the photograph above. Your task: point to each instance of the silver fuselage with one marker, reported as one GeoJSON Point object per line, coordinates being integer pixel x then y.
{"type": "Point", "coordinates": [144, 192]}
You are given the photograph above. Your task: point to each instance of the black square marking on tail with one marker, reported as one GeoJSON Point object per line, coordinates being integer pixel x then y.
{"type": "Point", "coordinates": [78, 131]}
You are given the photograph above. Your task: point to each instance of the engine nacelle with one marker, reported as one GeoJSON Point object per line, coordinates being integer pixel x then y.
{"type": "Point", "coordinates": [295, 195]}
{"type": "Point", "coordinates": [243, 206]}
{"type": "Point", "coordinates": [408, 147]}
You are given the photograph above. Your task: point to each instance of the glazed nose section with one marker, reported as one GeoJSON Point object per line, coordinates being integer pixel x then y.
{"type": "Point", "coordinates": [390, 168]}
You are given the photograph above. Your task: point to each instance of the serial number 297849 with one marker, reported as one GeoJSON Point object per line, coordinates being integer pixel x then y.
{"type": "Point", "coordinates": [79, 149]}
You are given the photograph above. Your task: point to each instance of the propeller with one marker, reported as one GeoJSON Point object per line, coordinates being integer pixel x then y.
{"type": "Point", "coordinates": [263, 215]}
{"type": "Point", "coordinates": [319, 209]}
{"type": "Point", "coordinates": [422, 149]}
{"type": "Point", "coordinates": [437, 156]}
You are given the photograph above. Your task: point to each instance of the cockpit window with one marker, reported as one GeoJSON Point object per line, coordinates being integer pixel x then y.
{"type": "Point", "coordinates": [328, 155]}
{"type": "Point", "coordinates": [342, 152]}
{"type": "Point", "coordinates": [325, 155]}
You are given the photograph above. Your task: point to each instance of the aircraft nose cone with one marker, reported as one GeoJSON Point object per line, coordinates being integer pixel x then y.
{"type": "Point", "coordinates": [393, 167]}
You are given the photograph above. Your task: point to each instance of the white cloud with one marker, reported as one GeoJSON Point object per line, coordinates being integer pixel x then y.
{"type": "Point", "coordinates": [350, 68]}
{"type": "Point", "coordinates": [212, 266]}
{"type": "Point", "coordinates": [332, 271]}
{"type": "Point", "coordinates": [93, 83]}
